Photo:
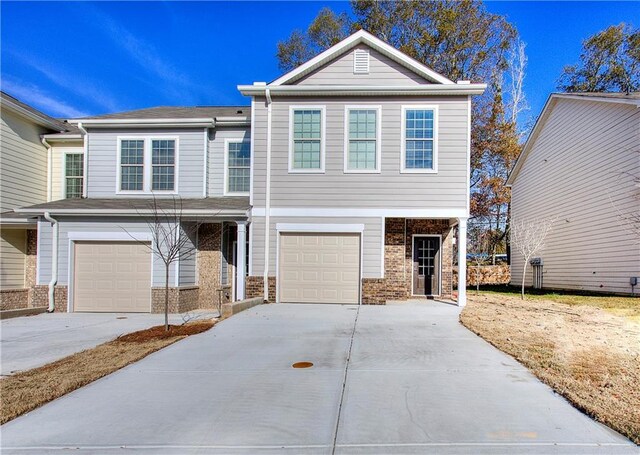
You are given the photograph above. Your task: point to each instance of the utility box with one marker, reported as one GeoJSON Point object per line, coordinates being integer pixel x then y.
{"type": "Point", "coordinates": [537, 264]}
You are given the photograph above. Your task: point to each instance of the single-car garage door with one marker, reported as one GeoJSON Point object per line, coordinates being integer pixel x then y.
{"type": "Point", "coordinates": [319, 268]}
{"type": "Point", "coordinates": [112, 277]}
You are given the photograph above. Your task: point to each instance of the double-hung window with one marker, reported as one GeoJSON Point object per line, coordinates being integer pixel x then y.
{"type": "Point", "coordinates": [73, 174]}
{"type": "Point", "coordinates": [307, 139]}
{"type": "Point", "coordinates": [419, 139]}
{"type": "Point", "coordinates": [362, 144]}
{"type": "Point", "coordinates": [238, 162]}
{"type": "Point", "coordinates": [147, 164]}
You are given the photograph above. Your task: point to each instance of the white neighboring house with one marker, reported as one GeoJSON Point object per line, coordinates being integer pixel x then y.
{"type": "Point", "coordinates": [581, 164]}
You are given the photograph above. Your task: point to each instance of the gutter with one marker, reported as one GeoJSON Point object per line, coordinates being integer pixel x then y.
{"type": "Point", "coordinates": [49, 167]}
{"type": "Point", "coordinates": [132, 122]}
{"type": "Point", "coordinates": [85, 159]}
{"type": "Point", "coordinates": [426, 89]}
{"type": "Point", "coordinates": [267, 205]}
{"type": "Point", "coordinates": [54, 261]}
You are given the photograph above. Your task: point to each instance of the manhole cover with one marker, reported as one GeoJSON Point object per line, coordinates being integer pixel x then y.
{"type": "Point", "coordinates": [302, 365]}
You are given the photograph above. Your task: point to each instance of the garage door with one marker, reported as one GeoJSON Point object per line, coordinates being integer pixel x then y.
{"type": "Point", "coordinates": [319, 268]}
{"type": "Point", "coordinates": [112, 277]}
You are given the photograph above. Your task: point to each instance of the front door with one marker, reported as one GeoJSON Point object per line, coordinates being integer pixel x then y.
{"type": "Point", "coordinates": [426, 265]}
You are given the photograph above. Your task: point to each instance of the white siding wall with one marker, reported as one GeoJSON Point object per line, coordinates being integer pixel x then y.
{"type": "Point", "coordinates": [581, 170]}
{"type": "Point", "coordinates": [13, 248]}
{"type": "Point", "coordinates": [58, 153]}
{"type": "Point", "coordinates": [217, 140]}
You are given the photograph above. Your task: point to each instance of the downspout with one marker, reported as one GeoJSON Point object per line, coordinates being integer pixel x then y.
{"type": "Point", "coordinates": [54, 261]}
{"type": "Point", "coordinates": [85, 167]}
{"type": "Point", "coordinates": [267, 205]}
{"type": "Point", "coordinates": [49, 168]}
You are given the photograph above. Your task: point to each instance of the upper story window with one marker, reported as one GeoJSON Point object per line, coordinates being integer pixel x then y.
{"type": "Point", "coordinates": [147, 164]}
{"type": "Point", "coordinates": [307, 139]}
{"type": "Point", "coordinates": [362, 147]}
{"type": "Point", "coordinates": [73, 174]}
{"type": "Point", "coordinates": [238, 167]}
{"type": "Point", "coordinates": [419, 139]}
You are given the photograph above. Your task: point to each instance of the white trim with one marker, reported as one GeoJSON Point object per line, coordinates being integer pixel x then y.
{"type": "Point", "coordinates": [250, 227]}
{"type": "Point", "coordinates": [251, 132]}
{"type": "Point", "coordinates": [85, 150]}
{"type": "Point", "coordinates": [225, 190]}
{"type": "Point", "coordinates": [64, 171]}
{"type": "Point", "coordinates": [147, 166]}
{"type": "Point", "coordinates": [199, 122]}
{"type": "Point", "coordinates": [319, 228]}
{"type": "Point", "coordinates": [378, 139]}
{"type": "Point", "coordinates": [382, 244]}
{"type": "Point", "coordinates": [361, 61]}
{"type": "Point", "coordinates": [205, 179]}
{"type": "Point", "coordinates": [439, 236]}
{"type": "Point", "coordinates": [364, 90]}
{"type": "Point", "coordinates": [468, 154]}
{"type": "Point", "coordinates": [358, 37]}
{"type": "Point", "coordinates": [323, 138]}
{"type": "Point", "coordinates": [365, 213]}
{"type": "Point", "coordinates": [403, 142]}
{"type": "Point", "coordinates": [39, 254]}
{"type": "Point", "coordinates": [111, 236]}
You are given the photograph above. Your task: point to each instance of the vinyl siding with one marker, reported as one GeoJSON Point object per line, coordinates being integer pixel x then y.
{"type": "Point", "coordinates": [187, 268]}
{"type": "Point", "coordinates": [390, 188]}
{"type": "Point", "coordinates": [93, 225]}
{"type": "Point", "coordinates": [58, 169]}
{"type": "Point", "coordinates": [580, 170]}
{"type": "Point", "coordinates": [13, 248]}
{"type": "Point", "coordinates": [372, 242]}
{"type": "Point", "coordinates": [103, 157]}
{"type": "Point", "coordinates": [382, 71]}
{"type": "Point", "coordinates": [217, 140]}
{"type": "Point", "coordinates": [23, 163]}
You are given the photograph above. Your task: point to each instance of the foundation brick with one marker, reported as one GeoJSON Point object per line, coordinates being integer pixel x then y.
{"type": "Point", "coordinates": [14, 299]}
{"type": "Point", "coordinates": [254, 287]}
{"type": "Point", "coordinates": [209, 265]}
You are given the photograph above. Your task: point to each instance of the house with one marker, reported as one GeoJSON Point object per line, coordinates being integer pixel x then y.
{"type": "Point", "coordinates": [342, 182]}
{"type": "Point", "coordinates": [25, 170]}
{"type": "Point", "coordinates": [580, 166]}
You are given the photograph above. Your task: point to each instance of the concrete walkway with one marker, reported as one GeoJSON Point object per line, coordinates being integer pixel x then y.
{"type": "Point", "coordinates": [33, 341]}
{"type": "Point", "coordinates": [397, 379]}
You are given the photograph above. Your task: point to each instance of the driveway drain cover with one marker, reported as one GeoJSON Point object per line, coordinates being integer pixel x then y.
{"type": "Point", "coordinates": [302, 365]}
{"type": "Point", "coordinates": [121, 317]}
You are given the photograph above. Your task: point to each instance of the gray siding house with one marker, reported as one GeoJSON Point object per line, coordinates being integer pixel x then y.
{"type": "Point", "coordinates": [342, 182]}
{"type": "Point", "coordinates": [581, 166]}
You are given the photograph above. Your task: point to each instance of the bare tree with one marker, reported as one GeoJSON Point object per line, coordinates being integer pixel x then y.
{"type": "Point", "coordinates": [172, 237]}
{"type": "Point", "coordinates": [517, 102]}
{"type": "Point", "coordinates": [527, 237]}
{"type": "Point", "coordinates": [478, 245]}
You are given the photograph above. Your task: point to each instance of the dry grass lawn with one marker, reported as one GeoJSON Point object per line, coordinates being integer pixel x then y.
{"type": "Point", "coordinates": [31, 389]}
{"type": "Point", "coordinates": [589, 355]}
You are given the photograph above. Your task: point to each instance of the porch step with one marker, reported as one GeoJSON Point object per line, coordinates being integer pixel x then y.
{"type": "Point", "coordinates": [7, 314]}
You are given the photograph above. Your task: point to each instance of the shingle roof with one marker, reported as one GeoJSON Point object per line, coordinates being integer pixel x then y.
{"type": "Point", "coordinates": [51, 122]}
{"type": "Point", "coordinates": [617, 95]}
{"type": "Point", "coordinates": [167, 112]}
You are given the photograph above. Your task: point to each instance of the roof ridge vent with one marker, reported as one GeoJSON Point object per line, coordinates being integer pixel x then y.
{"type": "Point", "coordinates": [361, 61]}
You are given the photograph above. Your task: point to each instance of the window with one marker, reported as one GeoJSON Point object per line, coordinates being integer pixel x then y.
{"type": "Point", "coordinates": [307, 141]}
{"type": "Point", "coordinates": [163, 156]}
{"type": "Point", "coordinates": [419, 139]}
{"type": "Point", "coordinates": [73, 174]}
{"type": "Point", "coordinates": [131, 165]}
{"type": "Point", "coordinates": [238, 166]}
{"type": "Point", "coordinates": [361, 147]}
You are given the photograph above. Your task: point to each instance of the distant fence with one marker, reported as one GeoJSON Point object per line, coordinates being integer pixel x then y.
{"type": "Point", "coordinates": [488, 274]}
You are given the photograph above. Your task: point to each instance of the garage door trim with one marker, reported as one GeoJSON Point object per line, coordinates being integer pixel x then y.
{"type": "Point", "coordinates": [306, 228]}
{"type": "Point", "coordinates": [101, 237]}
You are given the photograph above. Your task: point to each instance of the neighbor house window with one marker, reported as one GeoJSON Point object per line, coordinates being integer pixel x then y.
{"type": "Point", "coordinates": [362, 144]}
{"type": "Point", "coordinates": [163, 163]}
{"type": "Point", "coordinates": [238, 166]}
{"type": "Point", "coordinates": [419, 142]}
{"type": "Point", "coordinates": [307, 140]}
{"type": "Point", "coordinates": [131, 165]}
{"type": "Point", "coordinates": [73, 174]}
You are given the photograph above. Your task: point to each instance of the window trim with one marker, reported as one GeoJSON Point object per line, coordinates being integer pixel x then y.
{"type": "Point", "coordinates": [147, 164]}
{"type": "Point", "coordinates": [378, 139]}
{"type": "Point", "coordinates": [323, 138]}
{"type": "Point", "coordinates": [403, 141]}
{"type": "Point", "coordinates": [226, 191]}
{"type": "Point", "coordinates": [64, 172]}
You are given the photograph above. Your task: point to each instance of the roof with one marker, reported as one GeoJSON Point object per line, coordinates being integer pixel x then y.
{"type": "Point", "coordinates": [14, 104]}
{"type": "Point", "coordinates": [177, 112]}
{"type": "Point", "coordinates": [632, 98]}
{"type": "Point", "coordinates": [214, 206]}
{"type": "Point", "coordinates": [12, 218]}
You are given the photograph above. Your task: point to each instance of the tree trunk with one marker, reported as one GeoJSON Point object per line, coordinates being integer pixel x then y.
{"type": "Point", "coordinates": [524, 276]}
{"type": "Point", "coordinates": [478, 280]}
{"type": "Point", "coordinates": [166, 297]}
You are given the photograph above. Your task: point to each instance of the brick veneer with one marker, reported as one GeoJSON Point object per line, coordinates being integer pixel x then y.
{"type": "Point", "coordinates": [254, 287]}
{"type": "Point", "coordinates": [181, 299]}
{"type": "Point", "coordinates": [14, 299]}
{"type": "Point", "coordinates": [209, 263]}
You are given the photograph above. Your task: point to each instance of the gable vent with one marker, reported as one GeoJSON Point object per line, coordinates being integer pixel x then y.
{"type": "Point", "coordinates": [360, 61]}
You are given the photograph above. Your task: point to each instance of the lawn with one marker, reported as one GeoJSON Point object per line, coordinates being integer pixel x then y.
{"type": "Point", "coordinates": [587, 348]}
{"type": "Point", "coordinates": [30, 389]}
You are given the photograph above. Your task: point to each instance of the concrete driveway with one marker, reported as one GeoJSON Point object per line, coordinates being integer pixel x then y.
{"type": "Point", "coordinates": [29, 342]}
{"type": "Point", "coordinates": [396, 379]}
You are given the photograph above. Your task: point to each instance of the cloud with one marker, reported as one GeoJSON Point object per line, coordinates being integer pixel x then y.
{"type": "Point", "coordinates": [36, 97]}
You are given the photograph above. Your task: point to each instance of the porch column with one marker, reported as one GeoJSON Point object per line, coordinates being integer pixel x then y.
{"type": "Point", "coordinates": [462, 262]}
{"type": "Point", "coordinates": [241, 254]}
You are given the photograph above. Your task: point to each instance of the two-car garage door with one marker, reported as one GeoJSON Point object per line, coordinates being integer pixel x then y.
{"type": "Point", "coordinates": [319, 268]}
{"type": "Point", "coordinates": [112, 277]}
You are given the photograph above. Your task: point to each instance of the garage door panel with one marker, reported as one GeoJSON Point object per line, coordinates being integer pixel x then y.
{"type": "Point", "coordinates": [112, 277]}
{"type": "Point", "coordinates": [319, 268]}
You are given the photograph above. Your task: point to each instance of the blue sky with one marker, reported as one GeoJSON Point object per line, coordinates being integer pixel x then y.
{"type": "Point", "coordinates": [73, 59]}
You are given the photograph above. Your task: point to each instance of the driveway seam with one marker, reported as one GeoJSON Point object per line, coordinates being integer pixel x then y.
{"type": "Point", "coordinates": [344, 381]}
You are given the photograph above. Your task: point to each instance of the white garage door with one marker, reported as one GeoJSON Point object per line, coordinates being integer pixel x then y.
{"type": "Point", "coordinates": [112, 277]}
{"type": "Point", "coordinates": [319, 268]}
